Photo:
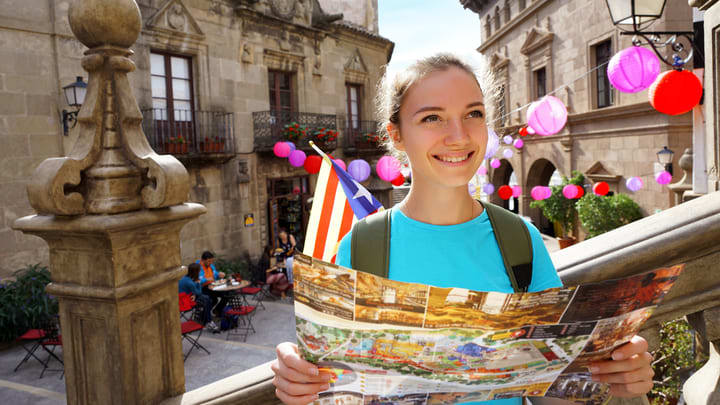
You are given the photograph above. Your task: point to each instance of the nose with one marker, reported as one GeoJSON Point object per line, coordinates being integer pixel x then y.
{"type": "Point", "coordinates": [457, 133]}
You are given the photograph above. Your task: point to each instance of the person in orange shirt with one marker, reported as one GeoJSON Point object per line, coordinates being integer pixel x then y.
{"type": "Point", "coordinates": [208, 274]}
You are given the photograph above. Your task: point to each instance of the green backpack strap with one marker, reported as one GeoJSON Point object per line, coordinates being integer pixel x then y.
{"type": "Point", "coordinates": [515, 245]}
{"type": "Point", "coordinates": [370, 244]}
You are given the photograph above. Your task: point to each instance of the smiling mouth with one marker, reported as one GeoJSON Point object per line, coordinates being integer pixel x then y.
{"type": "Point", "coordinates": [453, 159]}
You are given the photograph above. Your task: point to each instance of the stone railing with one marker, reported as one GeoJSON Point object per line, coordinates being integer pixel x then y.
{"type": "Point", "coordinates": [688, 233]}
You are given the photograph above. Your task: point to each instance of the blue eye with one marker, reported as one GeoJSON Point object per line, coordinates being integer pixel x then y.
{"type": "Point", "coordinates": [476, 114]}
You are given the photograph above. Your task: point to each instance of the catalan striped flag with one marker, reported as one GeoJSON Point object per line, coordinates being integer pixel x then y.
{"type": "Point", "coordinates": [338, 203]}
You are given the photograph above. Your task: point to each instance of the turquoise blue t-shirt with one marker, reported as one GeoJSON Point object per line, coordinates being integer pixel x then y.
{"type": "Point", "coordinates": [463, 255]}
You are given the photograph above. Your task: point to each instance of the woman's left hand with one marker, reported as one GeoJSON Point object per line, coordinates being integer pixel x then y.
{"type": "Point", "coordinates": [630, 372]}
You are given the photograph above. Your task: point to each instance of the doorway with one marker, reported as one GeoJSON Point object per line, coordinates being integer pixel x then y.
{"type": "Point", "coordinates": [288, 208]}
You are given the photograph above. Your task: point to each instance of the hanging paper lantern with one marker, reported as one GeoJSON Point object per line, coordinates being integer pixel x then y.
{"type": "Point", "coordinates": [633, 69]}
{"type": "Point", "coordinates": [508, 153]}
{"type": "Point", "coordinates": [580, 191]}
{"type": "Point", "coordinates": [634, 184]}
{"type": "Point", "coordinates": [359, 169]}
{"type": "Point", "coordinates": [398, 181]}
{"type": "Point", "coordinates": [601, 188]}
{"type": "Point", "coordinates": [493, 144]}
{"type": "Point", "coordinates": [312, 164]}
{"type": "Point", "coordinates": [518, 144]}
{"type": "Point", "coordinates": [548, 192]}
{"type": "Point", "coordinates": [495, 163]}
{"type": "Point", "coordinates": [675, 92]}
{"type": "Point", "coordinates": [405, 170]}
{"type": "Point", "coordinates": [516, 191]}
{"type": "Point", "coordinates": [387, 168]}
{"type": "Point", "coordinates": [523, 131]}
{"type": "Point", "coordinates": [291, 145]}
{"type": "Point", "coordinates": [281, 149]}
{"type": "Point", "coordinates": [340, 163]}
{"type": "Point", "coordinates": [482, 170]}
{"type": "Point", "coordinates": [538, 193]}
{"type": "Point", "coordinates": [547, 116]}
{"type": "Point", "coordinates": [505, 192]}
{"type": "Point", "coordinates": [507, 139]}
{"type": "Point", "coordinates": [570, 191]}
{"type": "Point", "coordinates": [297, 158]}
{"type": "Point", "coordinates": [488, 188]}
{"type": "Point", "coordinates": [663, 178]}
{"type": "Point", "coordinates": [471, 189]}
{"type": "Point", "coordinates": [530, 131]}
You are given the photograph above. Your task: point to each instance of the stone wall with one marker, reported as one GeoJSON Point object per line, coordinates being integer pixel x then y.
{"type": "Point", "coordinates": [232, 49]}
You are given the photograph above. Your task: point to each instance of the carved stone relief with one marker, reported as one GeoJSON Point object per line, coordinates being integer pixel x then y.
{"type": "Point", "coordinates": [174, 17]}
{"type": "Point", "coordinates": [284, 9]}
{"type": "Point", "coordinates": [246, 53]}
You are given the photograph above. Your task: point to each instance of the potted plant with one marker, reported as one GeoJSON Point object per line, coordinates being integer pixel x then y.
{"type": "Point", "coordinates": [324, 136]}
{"type": "Point", "coordinates": [177, 145]}
{"type": "Point", "coordinates": [600, 214]}
{"type": "Point", "coordinates": [371, 138]}
{"type": "Point", "coordinates": [561, 210]}
{"type": "Point", "coordinates": [294, 132]}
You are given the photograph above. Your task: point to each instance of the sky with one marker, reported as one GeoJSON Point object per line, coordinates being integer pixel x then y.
{"type": "Point", "coordinates": [423, 27]}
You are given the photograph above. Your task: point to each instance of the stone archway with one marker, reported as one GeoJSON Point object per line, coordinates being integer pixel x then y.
{"type": "Point", "coordinates": [539, 175]}
{"type": "Point", "coordinates": [499, 177]}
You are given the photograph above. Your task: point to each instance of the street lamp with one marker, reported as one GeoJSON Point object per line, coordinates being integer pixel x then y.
{"type": "Point", "coordinates": [665, 158]}
{"type": "Point", "coordinates": [633, 16]}
{"type": "Point", "coordinates": [74, 96]}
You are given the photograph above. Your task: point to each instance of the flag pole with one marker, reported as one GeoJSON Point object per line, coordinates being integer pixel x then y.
{"type": "Point", "coordinates": [320, 152]}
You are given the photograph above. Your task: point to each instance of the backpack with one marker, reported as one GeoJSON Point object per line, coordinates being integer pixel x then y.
{"type": "Point", "coordinates": [370, 244]}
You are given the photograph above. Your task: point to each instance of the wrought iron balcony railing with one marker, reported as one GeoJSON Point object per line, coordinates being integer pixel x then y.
{"type": "Point", "coordinates": [297, 127]}
{"type": "Point", "coordinates": [362, 136]}
{"type": "Point", "coordinates": [185, 132]}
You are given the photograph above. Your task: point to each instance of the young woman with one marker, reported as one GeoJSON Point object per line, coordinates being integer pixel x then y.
{"type": "Point", "coordinates": [190, 284]}
{"type": "Point", "coordinates": [271, 275]}
{"type": "Point", "coordinates": [434, 113]}
{"type": "Point", "coordinates": [286, 250]}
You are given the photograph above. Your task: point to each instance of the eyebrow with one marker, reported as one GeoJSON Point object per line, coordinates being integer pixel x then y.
{"type": "Point", "coordinates": [433, 108]}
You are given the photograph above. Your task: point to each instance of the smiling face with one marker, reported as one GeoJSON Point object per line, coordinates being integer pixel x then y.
{"type": "Point", "coordinates": [442, 129]}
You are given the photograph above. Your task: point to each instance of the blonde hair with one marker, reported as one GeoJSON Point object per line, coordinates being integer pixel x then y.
{"type": "Point", "coordinates": [391, 91]}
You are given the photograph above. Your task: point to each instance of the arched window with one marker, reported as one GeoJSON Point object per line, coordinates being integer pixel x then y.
{"type": "Point", "coordinates": [497, 18]}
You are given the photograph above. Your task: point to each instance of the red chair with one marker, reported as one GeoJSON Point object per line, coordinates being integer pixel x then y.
{"type": "Point", "coordinates": [54, 340]}
{"type": "Point", "coordinates": [240, 308]}
{"type": "Point", "coordinates": [30, 341]}
{"type": "Point", "coordinates": [257, 293]}
{"type": "Point", "coordinates": [186, 305]}
{"type": "Point", "coordinates": [193, 325]}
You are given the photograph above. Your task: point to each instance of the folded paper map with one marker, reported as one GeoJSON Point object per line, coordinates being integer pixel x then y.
{"type": "Point", "coordinates": [391, 342]}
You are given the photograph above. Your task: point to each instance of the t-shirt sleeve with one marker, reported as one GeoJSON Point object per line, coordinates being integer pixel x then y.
{"type": "Point", "coordinates": [343, 257]}
{"type": "Point", "coordinates": [544, 274]}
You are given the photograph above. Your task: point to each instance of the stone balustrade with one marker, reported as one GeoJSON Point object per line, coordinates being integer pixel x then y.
{"type": "Point", "coordinates": [688, 233]}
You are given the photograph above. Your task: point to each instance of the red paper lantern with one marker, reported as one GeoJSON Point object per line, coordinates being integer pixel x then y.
{"type": "Point", "coordinates": [601, 188]}
{"type": "Point", "coordinates": [398, 181]}
{"type": "Point", "coordinates": [505, 192]}
{"type": "Point", "coordinates": [312, 164]}
{"type": "Point", "coordinates": [581, 191]}
{"type": "Point", "coordinates": [523, 131]}
{"type": "Point", "coordinates": [675, 92]}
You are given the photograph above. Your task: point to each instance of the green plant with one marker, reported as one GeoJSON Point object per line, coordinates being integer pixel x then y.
{"type": "Point", "coordinates": [294, 132]}
{"type": "Point", "coordinates": [324, 135]}
{"type": "Point", "coordinates": [24, 304]}
{"type": "Point", "coordinates": [675, 361]}
{"type": "Point", "coordinates": [233, 266]}
{"type": "Point", "coordinates": [557, 208]}
{"type": "Point", "coordinates": [600, 214]}
{"type": "Point", "coordinates": [371, 137]}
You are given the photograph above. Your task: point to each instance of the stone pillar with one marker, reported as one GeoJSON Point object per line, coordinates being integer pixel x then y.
{"type": "Point", "coordinates": [703, 387]}
{"type": "Point", "coordinates": [685, 184]}
{"type": "Point", "coordinates": [111, 213]}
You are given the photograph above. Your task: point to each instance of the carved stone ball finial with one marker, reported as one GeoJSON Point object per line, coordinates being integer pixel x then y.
{"type": "Point", "coordinates": [105, 22]}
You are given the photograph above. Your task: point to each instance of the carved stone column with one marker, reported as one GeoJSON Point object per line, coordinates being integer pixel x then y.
{"type": "Point", "coordinates": [703, 387]}
{"type": "Point", "coordinates": [111, 213]}
{"type": "Point", "coordinates": [685, 183]}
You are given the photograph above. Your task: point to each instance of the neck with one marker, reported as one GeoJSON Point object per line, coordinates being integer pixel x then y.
{"type": "Point", "coordinates": [447, 207]}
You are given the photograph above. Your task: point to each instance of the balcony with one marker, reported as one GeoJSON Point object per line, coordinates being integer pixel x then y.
{"type": "Point", "coordinates": [191, 136]}
{"type": "Point", "coordinates": [362, 138]}
{"type": "Point", "coordinates": [275, 126]}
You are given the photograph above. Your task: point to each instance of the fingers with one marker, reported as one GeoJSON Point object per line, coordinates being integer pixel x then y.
{"type": "Point", "coordinates": [294, 389]}
{"type": "Point", "coordinates": [289, 400]}
{"type": "Point", "coordinates": [633, 370]}
{"type": "Point", "coordinates": [289, 361]}
{"type": "Point", "coordinates": [637, 361]}
{"type": "Point", "coordinates": [636, 345]}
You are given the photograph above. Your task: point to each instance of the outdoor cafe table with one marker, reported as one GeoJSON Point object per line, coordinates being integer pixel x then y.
{"type": "Point", "coordinates": [229, 290]}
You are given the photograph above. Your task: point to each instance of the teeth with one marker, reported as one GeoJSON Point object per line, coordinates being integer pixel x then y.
{"type": "Point", "coordinates": [453, 159]}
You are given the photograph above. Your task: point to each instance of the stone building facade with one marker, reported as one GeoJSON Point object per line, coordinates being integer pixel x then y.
{"type": "Point", "coordinates": [217, 81]}
{"type": "Point", "coordinates": [542, 46]}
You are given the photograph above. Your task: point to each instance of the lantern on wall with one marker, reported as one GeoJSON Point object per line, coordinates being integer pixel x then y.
{"type": "Point", "coordinates": [601, 188]}
{"type": "Point", "coordinates": [398, 181]}
{"type": "Point", "coordinates": [675, 92]}
{"type": "Point", "coordinates": [312, 164]}
{"type": "Point", "coordinates": [387, 168]}
{"type": "Point", "coordinates": [488, 188]}
{"type": "Point", "coordinates": [547, 116]}
{"type": "Point", "coordinates": [634, 184]}
{"type": "Point", "coordinates": [493, 144]}
{"type": "Point", "coordinates": [633, 69]}
{"type": "Point", "coordinates": [359, 169]}
{"type": "Point", "coordinates": [518, 144]}
{"type": "Point", "coordinates": [340, 163]}
{"type": "Point", "coordinates": [297, 158]}
{"type": "Point", "coordinates": [281, 149]}
{"type": "Point", "coordinates": [495, 163]}
{"type": "Point", "coordinates": [663, 178]}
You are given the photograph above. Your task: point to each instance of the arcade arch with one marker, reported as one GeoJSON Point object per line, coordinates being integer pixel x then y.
{"type": "Point", "coordinates": [542, 173]}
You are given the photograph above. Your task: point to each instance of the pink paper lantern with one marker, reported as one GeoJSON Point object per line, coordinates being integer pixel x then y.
{"type": "Point", "coordinates": [507, 139]}
{"type": "Point", "coordinates": [507, 153]}
{"type": "Point", "coordinates": [518, 144]}
{"type": "Point", "coordinates": [488, 188]}
{"type": "Point", "coordinates": [291, 145]}
{"type": "Point", "coordinates": [547, 116]}
{"type": "Point", "coordinates": [663, 178]}
{"type": "Point", "coordinates": [516, 191]}
{"type": "Point", "coordinates": [633, 69]}
{"type": "Point", "coordinates": [340, 163]}
{"type": "Point", "coordinates": [493, 144]}
{"type": "Point", "coordinates": [482, 170]}
{"type": "Point", "coordinates": [634, 184]}
{"type": "Point", "coordinates": [359, 169]}
{"type": "Point", "coordinates": [297, 158]}
{"type": "Point", "coordinates": [538, 193]}
{"type": "Point", "coordinates": [387, 168]}
{"type": "Point", "coordinates": [570, 191]}
{"type": "Point", "coordinates": [495, 163]}
{"type": "Point", "coordinates": [281, 149]}
{"type": "Point", "coordinates": [548, 192]}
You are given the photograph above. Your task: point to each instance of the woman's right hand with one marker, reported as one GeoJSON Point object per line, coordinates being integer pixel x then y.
{"type": "Point", "coordinates": [297, 382]}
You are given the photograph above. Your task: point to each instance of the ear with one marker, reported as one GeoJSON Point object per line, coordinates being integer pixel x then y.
{"type": "Point", "coordinates": [394, 134]}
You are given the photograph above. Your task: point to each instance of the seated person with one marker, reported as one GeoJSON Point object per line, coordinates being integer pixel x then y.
{"type": "Point", "coordinates": [208, 274]}
{"type": "Point", "coordinates": [268, 272]}
{"type": "Point", "coordinates": [190, 284]}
